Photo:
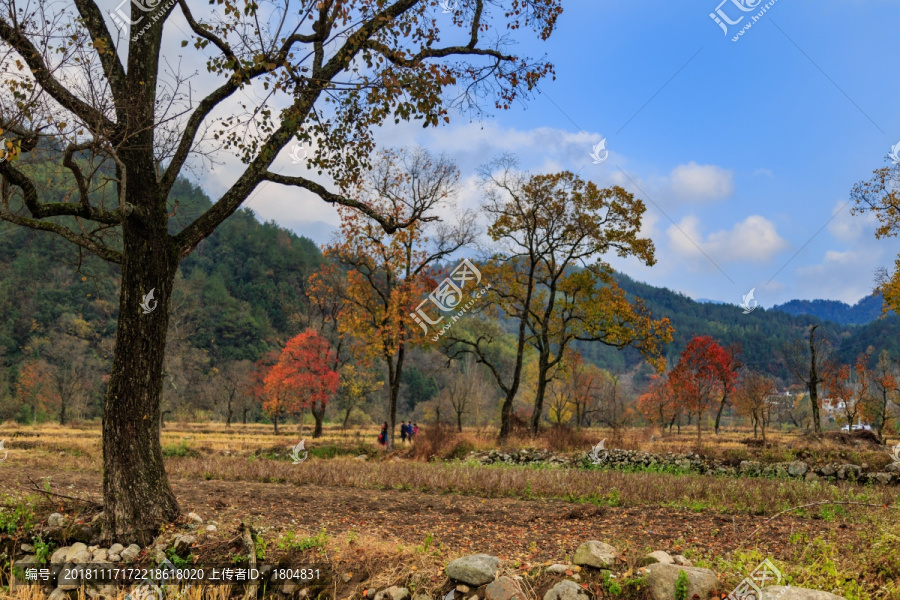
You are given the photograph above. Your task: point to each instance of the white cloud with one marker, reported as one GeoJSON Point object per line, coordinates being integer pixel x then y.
{"type": "Point", "coordinates": [755, 239]}
{"type": "Point", "coordinates": [701, 183]}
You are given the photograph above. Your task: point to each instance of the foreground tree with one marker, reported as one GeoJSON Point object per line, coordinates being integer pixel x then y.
{"type": "Point", "coordinates": [121, 127]}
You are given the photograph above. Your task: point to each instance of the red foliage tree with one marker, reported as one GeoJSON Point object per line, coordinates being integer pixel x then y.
{"type": "Point", "coordinates": [303, 378]}
{"type": "Point", "coordinates": [704, 371]}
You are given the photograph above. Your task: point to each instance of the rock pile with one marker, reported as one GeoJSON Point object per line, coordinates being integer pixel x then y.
{"type": "Point", "coordinates": [694, 463]}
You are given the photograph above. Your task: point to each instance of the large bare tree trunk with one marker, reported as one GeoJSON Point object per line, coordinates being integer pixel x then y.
{"type": "Point", "coordinates": [136, 493]}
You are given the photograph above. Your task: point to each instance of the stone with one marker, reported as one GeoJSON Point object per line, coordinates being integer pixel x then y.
{"type": "Point", "coordinates": [59, 555]}
{"type": "Point", "coordinates": [883, 478]}
{"type": "Point", "coordinates": [370, 593]}
{"type": "Point", "coordinates": [26, 547]}
{"type": "Point", "coordinates": [102, 591]}
{"type": "Point", "coordinates": [100, 555]}
{"type": "Point", "coordinates": [595, 554]}
{"type": "Point", "coordinates": [130, 553]}
{"type": "Point", "coordinates": [420, 595]}
{"type": "Point", "coordinates": [288, 587]}
{"type": "Point", "coordinates": [682, 561]}
{"type": "Point", "coordinates": [475, 569]}
{"type": "Point", "coordinates": [26, 561]}
{"type": "Point", "coordinates": [70, 578]}
{"type": "Point", "coordinates": [829, 471]}
{"type": "Point", "coordinates": [657, 557]}
{"type": "Point", "coordinates": [559, 569]}
{"type": "Point", "coordinates": [362, 457]}
{"type": "Point", "coordinates": [183, 542]}
{"type": "Point", "coordinates": [811, 477]}
{"type": "Point", "coordinates": [463, 589]}
{"type": "Point", "coordinates": [58, 594]}
{"type": "Point", "coordinates": [192, 516]}
{"type": "Point", "coordinates": [787, 592]}
{"type": "Point", "coordinates": [504, 588]}
{"type": "Point", "coordinates": [566, 590]}
{"type": "Point", "coordinates": [113, 558]}
{"type": "Point", "coordinates": [661, 580]}
{"type": "Point", "coordinates": [116, 549]}
{"type": "Point", "coordinates": [56, 520]}
{"type": "Point", "coordinates": [78, 553]}
{"type": "Point", "coordinates": [797, 468]}
{"type": "Point", "coordinates": [346, 577]}
{"type": "Point", "coordinates": [393, 593]}
{"type": "Point", "coordinates": [211, 529]}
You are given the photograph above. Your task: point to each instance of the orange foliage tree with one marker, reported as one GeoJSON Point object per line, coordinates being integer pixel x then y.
{"type": "Point", "coordinates": [389, 275]}
{"type": "Point", "coordinates": [302, 378]}
{"type": "Point", "coordinates": [34, 387]}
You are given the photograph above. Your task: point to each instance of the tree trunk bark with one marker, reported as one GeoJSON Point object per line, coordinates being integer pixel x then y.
{"type": "Point", "coordinates": [62, 411]}
{"type": "Point", "coordinates": [459, 421]}
{"type": "Point", "coordinates": [720, 411]}
{"type": "Point", "coordinates": [814, 381]}
{"type": "Point", "coordinates": [275, 423]}
{"type": "Point", "coordinates": [319, 416]}
{"type": "Point", "coordinates": [137, 497]}
{"type": "Point", "coordinates": [395, 370]}
{"type": "Point", "coordinates": [539, 396]}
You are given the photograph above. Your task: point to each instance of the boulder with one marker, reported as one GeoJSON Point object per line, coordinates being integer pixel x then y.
{"type": "Point", "coordinates": [566, 590]}
{"type": "Point", "coordinates": [393, 593]}
{"type": "Point", "coordinates": [183, 542]}
{"type": "Point", "coordinates": [883, 478]}
{"type": "Point", "coordinates": [59, 555]}
{"type": "Point", "coordinates": [797, 468]}
{"type": "Point", "coordinates": [504, 588]}
{"type": "Point", "coordinates": [475, 569]}
{"type": "Point", "coordinates": [78, 553]}
{"type": "Point", "coordinates": [786, 592]}
{"type": "Point", "coordinates": [657, 557]}
{"type": "Point", "coordinates": [116, 549]}
{"type": "Point", "coordinates": [130, 553]}
{"type": "Point", "coordinates": [661, 580]}
{"type": "Point", "coordinates": [595, 554]}
{"type": "Point", "coordinates": [100, 555]}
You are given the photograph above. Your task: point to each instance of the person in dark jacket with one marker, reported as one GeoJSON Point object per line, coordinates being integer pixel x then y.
{"type": "Point", "coordinates": [404, 430]}
{"type": "Point", "coordinates": [382, 438]}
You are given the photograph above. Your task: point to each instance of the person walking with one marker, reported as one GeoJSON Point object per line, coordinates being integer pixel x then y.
{"type": "Point", "coordinates": [404, 429]}
{"type": "Point", "coordinates": [415, 429]}
{"type": "Point", "coordinates": [382, 438]}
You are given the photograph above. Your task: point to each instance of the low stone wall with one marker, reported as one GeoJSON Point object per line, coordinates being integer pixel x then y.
{"type": "Point", "coordinates": [693, 463]}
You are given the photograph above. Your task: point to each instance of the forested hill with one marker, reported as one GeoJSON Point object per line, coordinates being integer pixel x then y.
{"type": "Point", "coordinates": [762, 334]}
{"type": "Point", "coordinates": [234, 298]}
{"type": "Point", "coordinates": [239, 290]}
{"type": "Point", "coordinates": [865, 311]}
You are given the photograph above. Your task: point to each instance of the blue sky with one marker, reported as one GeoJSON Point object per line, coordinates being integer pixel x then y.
{"type": "Point", "coordinates": [745, 150]}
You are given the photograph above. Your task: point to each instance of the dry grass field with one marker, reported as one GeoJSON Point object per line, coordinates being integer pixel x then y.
{"type": "Point", "coordinates": [399, 518]}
